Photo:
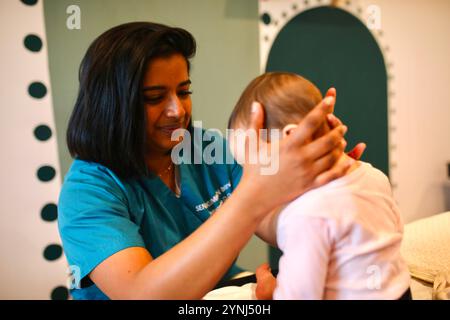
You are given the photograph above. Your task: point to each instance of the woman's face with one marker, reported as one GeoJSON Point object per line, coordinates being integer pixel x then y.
{"type": "Point", "coordinates": [167, 101]}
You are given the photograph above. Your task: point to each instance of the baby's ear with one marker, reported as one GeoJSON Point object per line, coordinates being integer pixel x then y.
{"type": "Point", "coordinates": [288, 128]}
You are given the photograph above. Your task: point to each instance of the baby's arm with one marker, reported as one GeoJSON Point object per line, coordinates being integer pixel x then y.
{"type": "Point", "coordinates": [303, 268]}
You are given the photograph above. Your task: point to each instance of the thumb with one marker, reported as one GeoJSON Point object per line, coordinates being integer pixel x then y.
{"type": "Point", "coordinates": [257, 117]}
{"type": "Point", "coordinates": [253, 133]}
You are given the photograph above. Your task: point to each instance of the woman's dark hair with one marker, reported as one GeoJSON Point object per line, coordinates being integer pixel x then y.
{"type": "Point", "coordinates": [108, 122]}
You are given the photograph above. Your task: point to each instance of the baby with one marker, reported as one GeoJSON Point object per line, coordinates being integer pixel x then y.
{"type": "Point", "coordinates": [339, 241]}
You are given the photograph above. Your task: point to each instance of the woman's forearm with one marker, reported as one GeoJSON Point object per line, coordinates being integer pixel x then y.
{"type": "Point", "coordinates": [194, 266]}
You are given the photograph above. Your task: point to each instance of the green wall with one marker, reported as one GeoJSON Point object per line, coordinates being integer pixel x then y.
{"type": "Point", "coordinates": [227, 58]}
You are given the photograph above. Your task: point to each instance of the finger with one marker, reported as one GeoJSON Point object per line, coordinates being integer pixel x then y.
{"type": "Point", "coordinates": [357, 151]}
{"type": "Point", "coordinates": [335, 172]}
{"type": "Point", "coordinates": [257, 117]}
{"type": "Point", "coordinates": [313, 120]}
{"type": "Point", "coordinates": [328, 161]}
{"type": "Point", "coordinates": [333, 121]}
{"type": "Point", "coordinates": [331, 92]}
{"type": "Point", "coordinates": [325, 144]}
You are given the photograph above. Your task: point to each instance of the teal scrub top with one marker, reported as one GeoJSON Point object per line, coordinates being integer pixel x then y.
{"type": "Point", "coordinates": [101, 214]}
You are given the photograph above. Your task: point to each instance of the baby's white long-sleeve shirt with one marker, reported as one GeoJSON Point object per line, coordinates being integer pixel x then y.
{"type": "Point", "coordinates": [342, 241]}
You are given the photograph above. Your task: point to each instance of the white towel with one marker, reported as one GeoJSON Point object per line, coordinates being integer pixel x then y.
{"type": "Point", "coordinates": [245, 292]}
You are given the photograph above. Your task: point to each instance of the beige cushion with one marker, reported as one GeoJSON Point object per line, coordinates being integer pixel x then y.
{"type": "Point", "coordinates": [426, 249]}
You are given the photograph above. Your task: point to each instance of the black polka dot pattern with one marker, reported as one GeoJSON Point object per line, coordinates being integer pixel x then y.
{"type": "Point", "coordinates": [265, 18]}
{"type": "Point", "coordinates": [33, 43]}
{"type": "Point", "coordinates": [53, 252]}
{"type": "Point", "coordinates": [42, 133]}
{"type": "Point", "coordinates": [49, 212]}
{"type": "Point", "coordinates": [29, 2]}
{"type": "Point", "coordinates": [60, 293]}
{"type": "Point", "coordinates": [46, 173]}
{"type": "Point", "coordinates": [37, 90]}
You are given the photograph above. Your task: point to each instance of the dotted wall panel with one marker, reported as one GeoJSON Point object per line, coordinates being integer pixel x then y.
{"type": "Point", "coordinates": [32, 263]}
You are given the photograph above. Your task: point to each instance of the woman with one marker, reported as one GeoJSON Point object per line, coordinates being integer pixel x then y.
{"type": "Point", "coordinates": [136, 225]}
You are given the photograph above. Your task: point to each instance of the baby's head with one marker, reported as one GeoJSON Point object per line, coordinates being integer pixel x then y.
{"type": "Point", "coordinates": [286, 99]}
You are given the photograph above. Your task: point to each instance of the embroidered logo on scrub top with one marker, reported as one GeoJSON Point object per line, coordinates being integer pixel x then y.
{"type": "Point", "coordinates": [221, 195]}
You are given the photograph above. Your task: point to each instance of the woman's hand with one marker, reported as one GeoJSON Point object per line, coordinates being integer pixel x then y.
{"type": "Point", "coordinates": [303, 163]}
{"type": "Point", "coordinates": [334, 122]}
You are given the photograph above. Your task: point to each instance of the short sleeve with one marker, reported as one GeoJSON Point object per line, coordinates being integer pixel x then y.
{"type": "Point", "coordinates": [94, 221]}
